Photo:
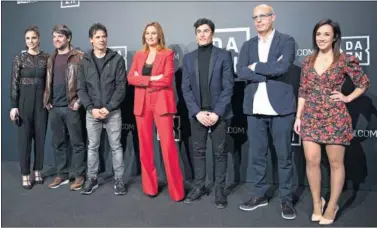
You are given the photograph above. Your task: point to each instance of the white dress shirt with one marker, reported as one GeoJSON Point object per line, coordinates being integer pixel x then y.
{"type": "Point", "coordinates": [261, 103]}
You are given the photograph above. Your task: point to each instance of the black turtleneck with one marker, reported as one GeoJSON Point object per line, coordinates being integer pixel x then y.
{"type": "Point", "coordinates": [204, 56]}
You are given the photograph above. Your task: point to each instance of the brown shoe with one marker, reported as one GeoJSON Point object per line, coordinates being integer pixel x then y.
{"type": "Point", "coordinates": [77, 184]}
{"type": "Point", "coordinates": [58, 181]}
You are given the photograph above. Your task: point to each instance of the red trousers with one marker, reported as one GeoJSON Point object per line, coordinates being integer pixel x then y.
{"type": "Point", "coordinates": [164, 126]}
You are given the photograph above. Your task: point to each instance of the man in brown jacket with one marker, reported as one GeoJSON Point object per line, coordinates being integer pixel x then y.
{"type": "Point", "coordinates": [61, 99]}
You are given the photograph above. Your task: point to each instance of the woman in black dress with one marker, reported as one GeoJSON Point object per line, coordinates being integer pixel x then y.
{"type": "Point", "coordinates": [28, 113]}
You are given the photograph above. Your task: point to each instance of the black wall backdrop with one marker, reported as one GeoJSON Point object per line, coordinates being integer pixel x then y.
{"type": "Point", "coordinates": [125, 22]}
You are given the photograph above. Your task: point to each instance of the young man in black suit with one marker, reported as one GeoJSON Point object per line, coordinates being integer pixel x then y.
{"type": "Point", "coordinates": [207, 88]}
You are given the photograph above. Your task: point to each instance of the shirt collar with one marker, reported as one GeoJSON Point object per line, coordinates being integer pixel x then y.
{"type": "Point", "coordinates": [269, 37]}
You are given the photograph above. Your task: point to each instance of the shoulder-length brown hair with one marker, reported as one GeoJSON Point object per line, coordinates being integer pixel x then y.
{"type": "Point", "coordinates": [336, 42]}
{"type": "Point", "coordinates": [160, 36]}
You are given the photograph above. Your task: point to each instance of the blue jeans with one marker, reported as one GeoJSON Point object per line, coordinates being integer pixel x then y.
{"type": "Point", "coordinates": [113, 125]}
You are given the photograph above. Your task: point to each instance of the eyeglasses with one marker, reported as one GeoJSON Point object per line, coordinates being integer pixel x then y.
{"type": "Point", "coordinates": [262, 16]}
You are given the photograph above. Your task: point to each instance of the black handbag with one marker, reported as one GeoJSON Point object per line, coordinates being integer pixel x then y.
{"type": "Point", "coordinates": [17, 120]}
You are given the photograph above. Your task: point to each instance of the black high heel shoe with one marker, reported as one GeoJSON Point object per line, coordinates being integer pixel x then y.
{"type": "Point", "coordinates": [26, 183]}
{"type": "Point", "coordinates": [159, 190]}
{"type": "Point", "coordinates": [38, 177]}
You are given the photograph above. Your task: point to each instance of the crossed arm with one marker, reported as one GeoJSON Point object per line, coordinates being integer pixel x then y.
{"type": "Point", "coordinates": [159, 81]}
{"type": "Point", "coordinates": [260, 72]}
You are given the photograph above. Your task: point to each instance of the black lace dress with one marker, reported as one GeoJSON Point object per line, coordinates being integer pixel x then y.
{"type": "Point", "coordinates": [26, 93]}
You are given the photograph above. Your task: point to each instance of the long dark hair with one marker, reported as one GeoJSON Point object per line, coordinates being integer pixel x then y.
{"type": "Point", "coordinates": [336, 43]}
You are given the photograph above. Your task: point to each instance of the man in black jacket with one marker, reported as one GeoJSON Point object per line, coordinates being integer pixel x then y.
{"type": "Point", "coordinates": [101, 88]}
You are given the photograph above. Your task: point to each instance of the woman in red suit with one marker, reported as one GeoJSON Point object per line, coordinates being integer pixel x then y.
{"type": "Point", "coordinates": [151, 73]}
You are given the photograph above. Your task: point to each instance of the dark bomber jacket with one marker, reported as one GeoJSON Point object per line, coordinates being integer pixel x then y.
{"type": "Point", "coordinates": [106, 88]}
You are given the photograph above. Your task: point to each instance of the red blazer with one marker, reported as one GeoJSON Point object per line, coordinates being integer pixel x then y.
{"type": "Point", "coordinates": [163, 88]}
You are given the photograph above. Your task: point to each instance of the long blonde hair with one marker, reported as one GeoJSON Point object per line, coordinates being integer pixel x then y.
{"type": "Point", "coordinates": [160, 36]}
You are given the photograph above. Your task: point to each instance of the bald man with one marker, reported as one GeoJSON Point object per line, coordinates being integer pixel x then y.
{"type": "Point", "coordinates": [270, 105]}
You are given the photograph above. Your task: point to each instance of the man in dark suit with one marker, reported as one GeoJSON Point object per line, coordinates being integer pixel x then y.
{"type": "Point", "coordinates": [269, 104]}
{"type": "Point", "coordinates": [207, 88]}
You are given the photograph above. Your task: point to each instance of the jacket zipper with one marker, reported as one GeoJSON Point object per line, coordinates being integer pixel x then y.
{"type": "Point", "coordinates": [99, 82]}
{"type": "Point", "coordinates": [99, 77]}
{"type": "Point", "coordinates": [99, 71]}
{"type": "Point", "coordinates": [66, 81]}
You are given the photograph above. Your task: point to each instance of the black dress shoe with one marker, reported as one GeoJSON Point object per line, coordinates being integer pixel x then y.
{"type": "Point", "coordinates": [220, 199]}
{"type": "Point", "coordinates": [196, 194]}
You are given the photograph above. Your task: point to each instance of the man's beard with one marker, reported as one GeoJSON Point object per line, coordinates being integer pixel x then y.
{"type": "Point", "coordinates": [63, 47]}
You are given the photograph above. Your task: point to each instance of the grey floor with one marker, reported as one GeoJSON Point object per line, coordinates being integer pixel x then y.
{"type": "Point", "coordinates": [45, 207]}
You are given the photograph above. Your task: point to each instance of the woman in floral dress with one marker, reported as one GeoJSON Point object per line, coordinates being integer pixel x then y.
{"type": "Point", "coordinates": [322, 116]}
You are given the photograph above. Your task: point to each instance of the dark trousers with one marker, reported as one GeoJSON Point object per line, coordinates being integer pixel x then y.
{"type": "Point", "coordinates": [33, 118]}
{"type": "Point", "coordinates": [63, 119]}
{"type": "Point", "coordinates": [199, 135]}
{"type": "Point", "coordinates": [281, 130]}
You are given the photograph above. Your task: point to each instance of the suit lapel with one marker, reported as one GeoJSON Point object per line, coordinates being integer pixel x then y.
{"type": "Point", "coordinates": [141, 62]}
{"type": "Point", "coordinates": [255, 51]}
{"type": "Point", "coordinates": [196, 66]}
{"type": "Point", "coordinates": [156, 63]}
{"type": "Point", "coordinates": [212, 62]}
{"type": "Point", "coordinates": [274, 46]}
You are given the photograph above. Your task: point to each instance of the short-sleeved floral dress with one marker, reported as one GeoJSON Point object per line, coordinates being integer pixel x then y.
{"type": "Point", "coordinates": [324, 120]}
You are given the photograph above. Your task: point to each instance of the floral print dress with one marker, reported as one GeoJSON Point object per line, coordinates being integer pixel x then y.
{"type": "Point", "coordinates": [324, 120]}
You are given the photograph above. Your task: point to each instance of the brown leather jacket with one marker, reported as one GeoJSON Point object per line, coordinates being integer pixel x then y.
{"type": "Point", "coordinates": [74, 59]}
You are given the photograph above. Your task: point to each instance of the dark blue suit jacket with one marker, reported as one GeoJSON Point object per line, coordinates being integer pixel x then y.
{"type": "Point", "coordinates": [220, 83]}
{"type": "Point", "coordinates": [280, 88]}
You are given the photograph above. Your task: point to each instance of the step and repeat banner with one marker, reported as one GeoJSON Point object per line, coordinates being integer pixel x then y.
{"type": "Point", "coordinates": [125, 22]}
